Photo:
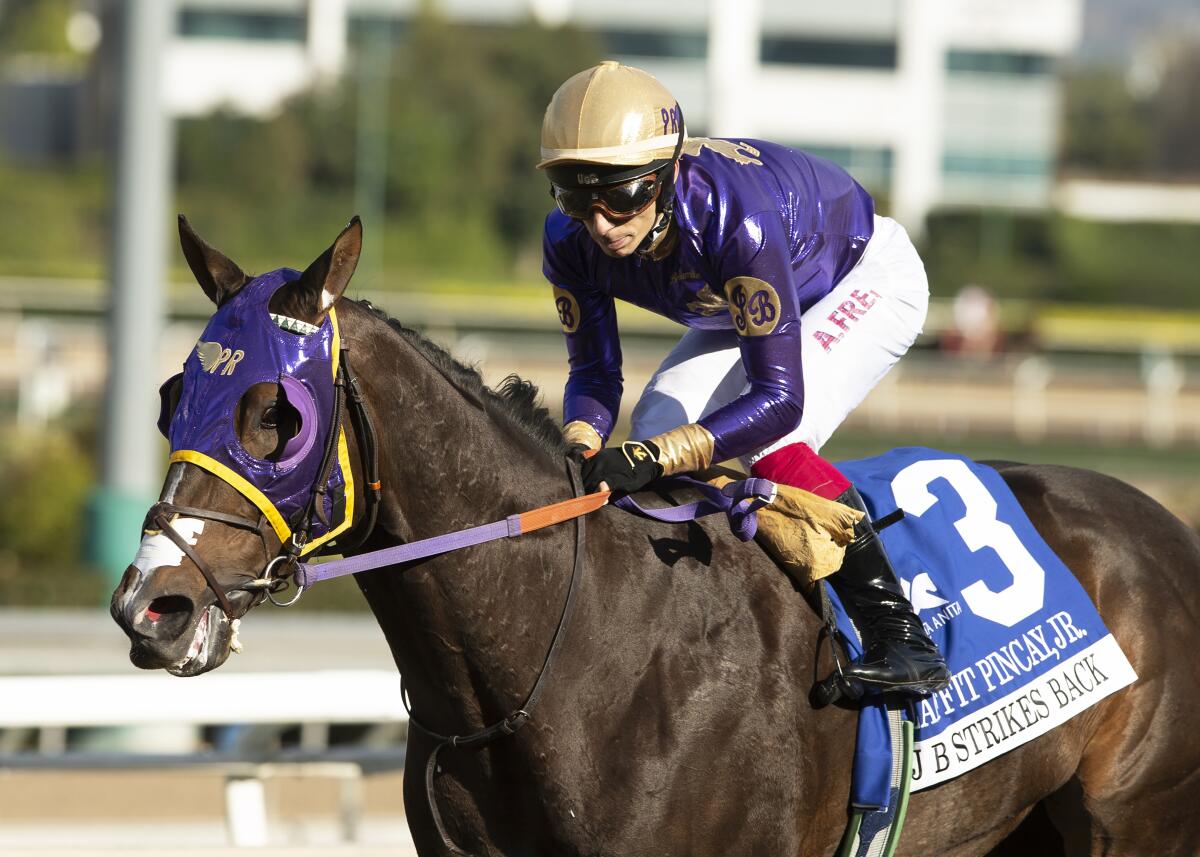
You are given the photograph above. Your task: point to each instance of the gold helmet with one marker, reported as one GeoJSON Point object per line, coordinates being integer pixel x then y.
{"type": "Point", "coordinates": [611, 138]}
{"type": "Point", "coordinates": [611, 115]}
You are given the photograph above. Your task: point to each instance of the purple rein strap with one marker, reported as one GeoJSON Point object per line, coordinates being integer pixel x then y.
{"type": "Point", "coordinates": [738, 500]}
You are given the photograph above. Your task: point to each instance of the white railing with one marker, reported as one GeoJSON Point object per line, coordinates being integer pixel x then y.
{"type": "Point", "coordinates": [333, 696]}
{"type": "Point", "coordinates": [52, 704]}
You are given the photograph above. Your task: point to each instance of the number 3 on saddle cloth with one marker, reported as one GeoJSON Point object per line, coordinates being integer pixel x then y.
{"type": "Point", "coordinates": [1026, 648]}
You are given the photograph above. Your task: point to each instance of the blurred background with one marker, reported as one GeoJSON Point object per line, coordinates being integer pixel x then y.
{"type": "Point", "coordinates": [1043, 153]}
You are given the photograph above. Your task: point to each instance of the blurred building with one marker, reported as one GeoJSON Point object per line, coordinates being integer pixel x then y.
{"type": "Point", "coordinates": [928, 103]}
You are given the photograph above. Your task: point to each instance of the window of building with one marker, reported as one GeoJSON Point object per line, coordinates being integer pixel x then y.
{"type": "Point", "coordinates": [999, 62]}
{"type": "Point", "coordinates": [248, 26]}
{"type": "Point", "coordinates": [997, 165]}
{"type": "Point", "coordinates": [659, 44]}
{"type": "Point", "coordinates": [361, 28]}
{"type": "Point", "coordinates": [795, 50]}
{"type": "Point", "coordinates": [871, 166]}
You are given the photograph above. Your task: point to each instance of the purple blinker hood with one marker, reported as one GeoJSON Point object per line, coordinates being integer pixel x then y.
{"type": "Point", "coordinates": [240, 347]}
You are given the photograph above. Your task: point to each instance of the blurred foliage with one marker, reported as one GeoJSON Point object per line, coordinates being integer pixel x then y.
{"type": "Point", "coordinates": [1045, 256]}
{"type": "Point", "coordinates": [53, 221]}
{"type": "Point", "coordinates": [1106, 129]}
{"type": "Point", "coordinates": [1148, 264]}
{"type": "Point", "coordinates": [460, 110]}
{"type": "Point", "coordinates": [50, 475]}
{"type": "Point", "coordinates": [1012, 255]}
{"type": "Point", "coordinates": [1112, 129]}
{"type": "Point", "coordinates": [1175, 113]}
{"type": "Point", "coordinates": [461, 195]}
{"type": "Point", "coordinates": [35, 26]}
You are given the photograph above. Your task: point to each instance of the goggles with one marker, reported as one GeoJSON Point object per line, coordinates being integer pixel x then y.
{"type": "Point", "coordinates": [619, 201]}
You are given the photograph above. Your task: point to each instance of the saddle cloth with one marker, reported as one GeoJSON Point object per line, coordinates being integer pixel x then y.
{"type": "Point", "coordinates": [1026, 647]}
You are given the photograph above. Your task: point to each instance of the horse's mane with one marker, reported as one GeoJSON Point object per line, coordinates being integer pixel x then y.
{"type": "Point", "coordinates": [516, 400]}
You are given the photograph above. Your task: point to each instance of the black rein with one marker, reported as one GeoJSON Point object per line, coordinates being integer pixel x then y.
{"type": "Point", "coordinates": [514, 721]}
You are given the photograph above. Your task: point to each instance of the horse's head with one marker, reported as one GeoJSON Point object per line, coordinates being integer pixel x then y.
{"type": "Point", "coordinates": [259, 471]}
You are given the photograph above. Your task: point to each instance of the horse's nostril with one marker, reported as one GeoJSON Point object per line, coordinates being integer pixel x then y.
{"type": "Point", "coordinates": [169, 606]}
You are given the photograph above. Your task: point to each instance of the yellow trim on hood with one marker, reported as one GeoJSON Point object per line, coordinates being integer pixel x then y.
{"type": "Point", "coordinates": [343, 452]}
{"type": "Point", "coordinates": [243, 486]}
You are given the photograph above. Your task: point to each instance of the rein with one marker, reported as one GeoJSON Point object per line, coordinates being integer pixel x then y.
{"type": "Point", "coordinates": [508, 725]}
{"type": "Point", "coordinates": [739, 500]}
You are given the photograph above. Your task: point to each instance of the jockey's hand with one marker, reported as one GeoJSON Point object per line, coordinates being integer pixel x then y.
{"type": "Point", "coordinates": [624, 469]}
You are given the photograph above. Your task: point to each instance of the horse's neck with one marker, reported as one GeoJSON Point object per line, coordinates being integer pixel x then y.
{"type": "Point", "coordinates": [468, 629]}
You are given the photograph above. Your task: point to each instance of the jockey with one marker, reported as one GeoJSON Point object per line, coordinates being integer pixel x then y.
{"type": "Point", "coordinates": [799, 298]}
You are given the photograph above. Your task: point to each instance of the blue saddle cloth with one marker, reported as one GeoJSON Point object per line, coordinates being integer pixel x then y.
{"type": "Point", "coordinates": [1024, 642]}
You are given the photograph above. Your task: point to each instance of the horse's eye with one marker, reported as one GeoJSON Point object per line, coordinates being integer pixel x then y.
{"type": "Point", "coordinates": [270, 417]}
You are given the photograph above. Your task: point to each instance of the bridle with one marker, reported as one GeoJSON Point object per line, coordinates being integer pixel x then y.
{"type": "Point", "coordinates": [281, 566]}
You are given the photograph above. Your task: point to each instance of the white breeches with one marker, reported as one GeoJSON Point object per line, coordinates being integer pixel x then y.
{"type": "Point", "coordinates": [850, 339]}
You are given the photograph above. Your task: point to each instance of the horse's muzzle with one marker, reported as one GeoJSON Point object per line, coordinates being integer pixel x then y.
{"type": "Point", "coordinates": [169, 630]}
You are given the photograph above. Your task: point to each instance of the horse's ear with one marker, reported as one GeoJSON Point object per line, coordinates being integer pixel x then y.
{"type": "Point", "coordinates": [325, 280]}
{"type": "Point", "coordinates": [214, 271]}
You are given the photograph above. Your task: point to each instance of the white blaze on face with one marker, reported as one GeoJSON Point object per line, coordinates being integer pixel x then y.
{"type": "Point", "coordinates": [158, 551]}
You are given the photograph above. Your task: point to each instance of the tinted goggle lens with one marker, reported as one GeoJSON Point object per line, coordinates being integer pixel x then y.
{"type": "Point", "coordinates": [623, 200]}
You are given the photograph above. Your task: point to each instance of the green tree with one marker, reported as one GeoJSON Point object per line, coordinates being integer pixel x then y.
{"type": "Point", "coordinates": [1175, 113]}
{"type": "Point", "coordinates": [463, 122]}
{"type": "Point", "coordinates": [1106, 128]}
{"type": "Point", "coordinates": [39, 518]}
{"type": "Point", "coordinates": [35, 26]}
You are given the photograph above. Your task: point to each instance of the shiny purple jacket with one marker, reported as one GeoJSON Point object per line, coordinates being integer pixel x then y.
{"type": "Point", "coordinates": [764, 233]}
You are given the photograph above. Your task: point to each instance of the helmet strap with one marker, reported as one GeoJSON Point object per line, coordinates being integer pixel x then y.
{"type": "Point", "coordinates": [665, 205]}
{"type": "Point", "coordinates": [648, 245]}
{"type": "Point", "coordinates": [666, 197]}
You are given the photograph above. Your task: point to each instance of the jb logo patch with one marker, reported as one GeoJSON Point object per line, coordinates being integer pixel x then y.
{"type": "Point", "coordinates": [568, 310]}
{"type": "Point", "coordinates": [753, 304]}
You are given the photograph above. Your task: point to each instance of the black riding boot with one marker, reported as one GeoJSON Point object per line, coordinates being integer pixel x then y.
{"type": "Point", "coordinates": [898, 654]}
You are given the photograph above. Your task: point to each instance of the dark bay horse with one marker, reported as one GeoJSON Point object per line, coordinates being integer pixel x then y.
{"type": "Point", "coordinates": [676, 719]}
